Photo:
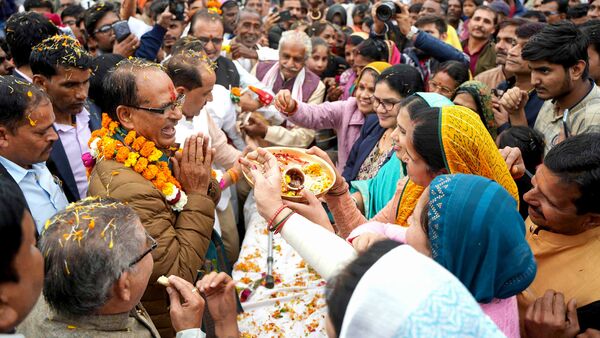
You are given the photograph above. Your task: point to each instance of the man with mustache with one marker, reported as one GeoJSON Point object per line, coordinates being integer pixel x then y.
{"type": "Point", "coordinates": [244, 47]}
{"type": "Point", "coordinates": [563, 231]}
{"type": "Point", "coordinates": [558, 60]}
{"type": "Point", "coordinates": [208, 28]}
{"type": "Point", "coordinates": [61, 67]}
{"type": "Point", "coordinates": [505, 39]}
{"type": "Point", "coordinates": [289, 73]}
{"type": "Point", "coordinates": [26, 138]}
{"type": "Point", "coordinates": [142, 102]}
{"type": "Point", "coordinates": [479, 46]}
{"type": "Point", "coordinates": [521, 79]}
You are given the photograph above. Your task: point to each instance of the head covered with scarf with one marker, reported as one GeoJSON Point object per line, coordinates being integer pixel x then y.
{"type": "Point", "coordinates": [482, 96]}
{"type": "Point", "coordinates": [466, 148]}
{"type": "Point", "coordinates": [421, 299]}
{"type": "Point", "coordinates": [476, 232]}
{"type": "Point", "coordinates": [377, 66]}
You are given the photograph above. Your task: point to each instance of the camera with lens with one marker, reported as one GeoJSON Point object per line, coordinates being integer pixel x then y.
{"type": "Point", "coordinates": [387, 11]}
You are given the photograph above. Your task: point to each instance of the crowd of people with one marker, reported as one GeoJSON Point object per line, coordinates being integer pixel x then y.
{"type": "Point", "coordinates": [464, 136]}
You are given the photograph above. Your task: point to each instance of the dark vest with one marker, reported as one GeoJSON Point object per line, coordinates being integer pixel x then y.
{"type": "Point", "coordinates": [227, 74]}
{"type": "Point", "coordinates": [311, 80]}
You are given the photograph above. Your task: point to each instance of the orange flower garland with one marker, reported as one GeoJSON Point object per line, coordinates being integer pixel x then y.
{"type": "Point", "coordinates": [138, 153]}
{"type": "Point", "coordinates": [214, 6]}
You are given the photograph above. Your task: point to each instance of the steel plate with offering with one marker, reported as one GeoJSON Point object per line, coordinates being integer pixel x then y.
{"type": "Point", "coordinates": [299, 171]}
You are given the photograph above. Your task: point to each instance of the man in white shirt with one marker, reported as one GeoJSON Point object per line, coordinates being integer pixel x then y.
{"type": "Point", "coordinates": [244, 47]}
{"type": "Point", "coordinates": [26, 139]}
{"type": "Point", "coordinates": [193, 77]}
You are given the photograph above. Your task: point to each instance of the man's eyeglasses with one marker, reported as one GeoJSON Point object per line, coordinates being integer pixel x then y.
{"type": "Point", "coordinates": [169, 107]}
{"type": "Point", "coordinates": [215, 41]}
{"type": "Point", "coordinates": [153, 245]}
{"type": "Point", "coordinates": [387, 106]}
{"type": "Point", "coordinates": [104, 29]}
{"type": "Point", "coordinates": [548, 13]}
{"type": "Point", "coordinates": [440, 88]}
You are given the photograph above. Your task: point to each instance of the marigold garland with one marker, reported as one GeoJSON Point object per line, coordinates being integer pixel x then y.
{"type": "Point", "coordinates": [134, 152]}
{"type": "Point", "coordinates": [214, 6]}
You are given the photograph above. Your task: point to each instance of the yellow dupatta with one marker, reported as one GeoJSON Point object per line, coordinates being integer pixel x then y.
{"type": "Point", "coordinates": [467, 148]}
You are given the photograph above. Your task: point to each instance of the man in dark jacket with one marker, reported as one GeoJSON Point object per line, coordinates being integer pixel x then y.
{"type": "Point", "coordinates": [208, 28]}
{"type": "Point", "coordinates": [479, 45]}
{"type": "Point", "coordinates": [429, 48]}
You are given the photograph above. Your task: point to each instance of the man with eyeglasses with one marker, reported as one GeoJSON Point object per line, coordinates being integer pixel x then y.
{"type": "Point", "coordinates": [141, 97]}
{"type": "Point", "coordinates": [72, 16]}
{"type": "Point", "coordinates": [98, 262]}
{"type": "Point", "coordinates": [554, 10]}
{"type": "Point", "coordinates": [100, 21]}
{"type": "Point", "coordinates": [208, 28]}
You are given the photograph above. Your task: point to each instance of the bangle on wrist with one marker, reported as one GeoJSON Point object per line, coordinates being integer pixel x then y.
{"type": "Point", "coordinates": [340, 190]}
{"type": "Point", "coordinates": [277, 212]}
{"type": "Point", "coordinates": [279, 225]}
{"type": "Point", "coordinates": [233, 175]}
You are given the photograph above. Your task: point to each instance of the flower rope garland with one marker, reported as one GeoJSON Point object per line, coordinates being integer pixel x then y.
{"type": "Point", "coordinates": [112, 142]}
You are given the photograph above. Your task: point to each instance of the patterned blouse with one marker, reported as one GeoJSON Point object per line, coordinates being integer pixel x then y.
{"type": "Point", "coordinates": [372, 163]}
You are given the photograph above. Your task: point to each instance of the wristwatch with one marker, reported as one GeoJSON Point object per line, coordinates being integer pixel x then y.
{"type": "Point", "coordinates": [413, 31]}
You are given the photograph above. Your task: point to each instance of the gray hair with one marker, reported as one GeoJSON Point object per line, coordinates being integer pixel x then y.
{"type": "Point", "coordinates": [86, 248]}
{"type": "Point", "coordinates": [249, 11]}
{"type": "Point", "coordinates": [297, 37]}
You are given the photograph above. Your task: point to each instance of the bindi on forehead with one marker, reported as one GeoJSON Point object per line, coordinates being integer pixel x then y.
{"type": "Point", "coordinates": [172, 93]}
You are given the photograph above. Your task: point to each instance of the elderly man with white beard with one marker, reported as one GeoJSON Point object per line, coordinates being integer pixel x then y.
{"type": "Point", "coordinates": [288, 73]}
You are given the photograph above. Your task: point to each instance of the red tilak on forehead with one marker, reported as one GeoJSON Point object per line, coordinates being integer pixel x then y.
{"type": "Point", "coordinates": [172, 91]}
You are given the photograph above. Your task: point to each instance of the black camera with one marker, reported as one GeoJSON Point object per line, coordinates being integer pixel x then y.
{"type": "Point", "coordinates": [387, 10]}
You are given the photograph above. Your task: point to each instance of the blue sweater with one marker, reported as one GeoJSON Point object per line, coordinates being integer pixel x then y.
{"type": "Point", "coordinates": [370, 133]}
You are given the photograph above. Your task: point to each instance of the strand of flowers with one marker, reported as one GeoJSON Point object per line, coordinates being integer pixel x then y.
{"type": "Point", "coordinates": [137, 153]}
